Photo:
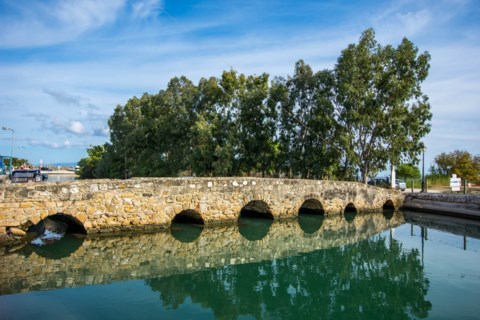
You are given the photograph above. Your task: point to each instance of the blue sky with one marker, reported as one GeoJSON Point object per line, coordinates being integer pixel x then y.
{"type": "Point", "coordinates": [66, 64]}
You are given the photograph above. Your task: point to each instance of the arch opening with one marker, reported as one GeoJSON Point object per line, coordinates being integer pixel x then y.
{"type": "Point", "coordinates": [59, 223]}
{"type": "Point", "coordinates": [57, 236]}
{"type": "Point", "coordinates": [350, 212]}
{"type": "Point", "coordinates": [388, 209]}
{"type": "Point", "coordinates": [311, 206]}
{"type": "Point", "coordinates": [311, 216]}
{"type": "Point", "coordinates": [388, 205]}
{"type": "Point", "coordinates": [256, 209]}
{"type": "Point", "coordinates": [187, 226]}
{"type": "Point", "coordinates": [189, 217]}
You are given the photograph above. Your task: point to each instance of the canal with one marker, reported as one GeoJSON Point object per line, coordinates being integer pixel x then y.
{"type": "Point", "coordinates": [391, 265]}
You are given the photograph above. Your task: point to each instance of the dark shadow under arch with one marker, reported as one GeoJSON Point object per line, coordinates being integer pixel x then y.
{"type": "Point", "coordinates": [350, 212]}
{"type": "Point", "coordinates": [388, 209]}
{"type": "Point", "coordinates": [311, 215]}
{"type": "Point", "coordinates": [256, 209]}
{"type": "Point", "coordinates": [189, 217]}
{"type": "Point", "coordinates": [187, 226]}
{"type": "Point", "coordinates": [311, 206]}
{"type": "Point", "coordinates": [66, 222]}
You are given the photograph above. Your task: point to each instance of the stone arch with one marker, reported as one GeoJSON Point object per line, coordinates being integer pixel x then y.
{"type": "Point", "coordinates": [311, 215]}
{"type": "Point", "coordinates": [189, 216]}
{"type": "Point", "coordinates": [388, 209]}
{"type": "Point", "coordinates": [256, 209]}
{"type": "Point", "coordinates": [187, 226]}
{"type": "Point", "coordinates": [311, 206]}
{"type": "Point", "coordinates": [61, 222]}
{"type": "Point", "coordinates": [389, 205]}
{"type": "Point", "coordinates": [350, 212]}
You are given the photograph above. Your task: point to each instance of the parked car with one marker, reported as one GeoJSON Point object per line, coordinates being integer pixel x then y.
{"type": "Point", "coordinates": [400, 185]}
{"type": "Point", "coordinates": [380, 182]}
{"type": "Point", "coordinates": [385, 183]}
{"type": "Point", "coordinates": [28, 175]}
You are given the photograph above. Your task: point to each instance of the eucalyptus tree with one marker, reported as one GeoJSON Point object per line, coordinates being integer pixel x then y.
{"type": "Point", "coordinates": [256, 123]}
{"type": "Point", "coordinates": [306, 126]}
{"type": "Point", "coordinates": [379, 103]}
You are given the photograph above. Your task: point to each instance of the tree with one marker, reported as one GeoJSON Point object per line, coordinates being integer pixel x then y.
{"type": "Point", "coordinates": [306, 125]}
{"type": "Point", "coordinates": [459, 162]}
{"type": "Point", "coordinates": [407, 171]}
{"type": "Point", "coordinates": [256, 123]}
{"type": "Point", "coordinates": [89, 165]}
{"type": "Point", "coordinates": [379, 103]}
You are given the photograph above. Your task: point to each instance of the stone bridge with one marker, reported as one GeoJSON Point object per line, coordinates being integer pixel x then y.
{"type": "Point", "coordinates": [95, 206]}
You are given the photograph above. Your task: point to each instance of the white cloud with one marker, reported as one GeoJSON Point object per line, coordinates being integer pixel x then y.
{"type": "Point", "coordinates": [145, 8]}
{"type": "Point", "coordinates": [76, 127]}
{"type": "Point", "coordinates": [33, 24]}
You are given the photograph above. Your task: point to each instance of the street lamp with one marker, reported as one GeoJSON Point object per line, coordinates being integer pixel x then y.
{"type": "Point", "coordinates": [11, 150]}
{"type": "Point", "coordinates": [423, 168]}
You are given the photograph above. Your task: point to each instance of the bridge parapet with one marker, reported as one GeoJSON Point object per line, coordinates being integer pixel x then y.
{"type": "Point", "coordinates": [112, 205]}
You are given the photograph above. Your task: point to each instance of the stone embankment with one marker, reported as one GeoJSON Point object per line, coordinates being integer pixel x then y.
{"type": "Point", "coordinates": [462, 205]}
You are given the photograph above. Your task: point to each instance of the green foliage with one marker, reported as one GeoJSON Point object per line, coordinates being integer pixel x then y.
{"type": "Point", "coordinates": [381, 109]}
{"type": "Point", "coordinates": [16, 162]}
{"type": "Point", "coordinates": [407, 171]}
{"type": "Point", "coordinates": [367, 111]}
{"type": "Point", "coordinates": [459, 162]}
{"type": "Point", "coordinates": [89, 165]}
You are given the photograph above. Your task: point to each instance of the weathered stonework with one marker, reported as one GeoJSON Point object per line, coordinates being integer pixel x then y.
{"type": "Point", "coordinates": [466, 205]}
{"type": "Point", "coordinates": [116, 205]}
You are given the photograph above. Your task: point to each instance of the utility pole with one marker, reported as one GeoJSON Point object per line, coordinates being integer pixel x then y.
{"type": "Point", "coordinates": [11, 150]}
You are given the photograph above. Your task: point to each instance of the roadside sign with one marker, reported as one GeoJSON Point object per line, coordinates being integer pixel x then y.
{"type": "Point", "coordinates": [455, 183]}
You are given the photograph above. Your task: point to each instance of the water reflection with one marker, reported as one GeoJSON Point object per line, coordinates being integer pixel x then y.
{"type": "Point", "coordinates": [57, 249]}
{"type": "Point", "coordinates": [185, 250]}
{"type": "Point", "coordinates": [374, 278]}
{"type": "Point", "coordinates": [185, 232]}
{"type": "Point", "coordinates": [254, 229]}
{"type": "Point", "coordinates": [310, 223]}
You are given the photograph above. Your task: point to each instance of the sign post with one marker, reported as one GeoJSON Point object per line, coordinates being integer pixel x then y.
{"type": "Point", "coordinates": [455, 183]}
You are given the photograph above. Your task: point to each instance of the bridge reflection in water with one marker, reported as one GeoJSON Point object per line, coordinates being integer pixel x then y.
{"type": "Point", "coordinates": [97, 260]}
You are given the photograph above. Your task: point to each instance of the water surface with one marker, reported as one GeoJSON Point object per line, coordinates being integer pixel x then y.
{"type": "Point", "coordinates": [373, 266]}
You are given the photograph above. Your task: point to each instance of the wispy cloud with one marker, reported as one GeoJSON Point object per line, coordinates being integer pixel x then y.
{"type": "Point", "coordinates": [35, 23]}
{"type": "Point", "coordinates": [145, 8]}
{"type": "Point", "coordinates": [64, 98]}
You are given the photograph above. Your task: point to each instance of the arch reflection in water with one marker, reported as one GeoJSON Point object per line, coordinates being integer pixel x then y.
{"type": "Point", "coordinates": [62, 248]}
{"type": "Point", "coordinates": [311, 216]}
{"type": "Point", "coordinates": [310, 223]}
{"type": "Point", "coordinates": [101, 260]}
{"type": "Point", "coordinates": [187, 226]}
{"type": "Point", "coordinates": [350, 212]}
{"type": "Point", "coordinates": [388, 209]}
{"type": "Point", "coordinates": [254, 229]}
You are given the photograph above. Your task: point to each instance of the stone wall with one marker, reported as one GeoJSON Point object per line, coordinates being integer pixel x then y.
{"type": "Point", "coordinates": [113, 205]}
{"type": "Point", "coordinates": [100, 260]}
{"type": "Point", "coordinates": [464, 205]}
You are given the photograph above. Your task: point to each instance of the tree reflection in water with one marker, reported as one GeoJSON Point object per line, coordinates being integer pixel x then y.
{"type": "Point", "coordinates": [371, 279]}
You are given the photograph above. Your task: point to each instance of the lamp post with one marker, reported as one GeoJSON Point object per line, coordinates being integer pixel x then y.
{"type": "Point", "coordinates": [11, 150]}
{"type": "Point", "coordinates": [423, 169]}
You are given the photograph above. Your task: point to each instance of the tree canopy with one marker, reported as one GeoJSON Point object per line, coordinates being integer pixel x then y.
{"type": "Point", "coordinates": [345, 123]}
{"type": "Point", "coordinates": [459, 162]}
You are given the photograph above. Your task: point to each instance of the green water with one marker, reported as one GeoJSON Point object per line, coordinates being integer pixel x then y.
{"type": "Point", "coordinates": [369, 267]}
